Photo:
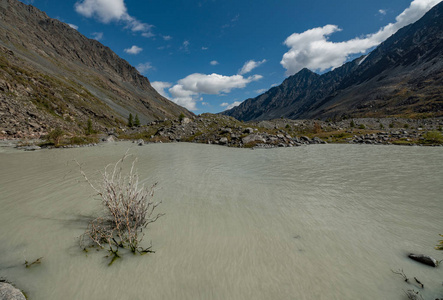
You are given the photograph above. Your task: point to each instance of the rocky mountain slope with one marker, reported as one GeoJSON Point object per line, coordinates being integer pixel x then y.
{"type": "Point", "coordinates": [52, 76]}
{"type": "Point", "coordinates": [402, 77]}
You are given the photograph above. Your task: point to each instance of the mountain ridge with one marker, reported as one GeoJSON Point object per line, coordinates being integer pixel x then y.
{"type": "Point", "coordinates": [400, 77]}
{"type": "Point", "coordinates": [67, 78]}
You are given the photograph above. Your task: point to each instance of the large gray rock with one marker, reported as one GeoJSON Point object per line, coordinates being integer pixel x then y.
{"type": "Point", "coordinates": [223, 141]}
{"type": "Point", "coordinates": [8, 292]}
{"type": "Point", "coordinates": [424, 259]}
{"type": "Point", "coordinates": [253, 138]}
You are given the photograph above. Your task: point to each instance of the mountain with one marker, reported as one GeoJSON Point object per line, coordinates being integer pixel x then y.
{"type": "Point", "coordinates": [53, 76]}
{"type": "Point", "coordinates": [403, 76]}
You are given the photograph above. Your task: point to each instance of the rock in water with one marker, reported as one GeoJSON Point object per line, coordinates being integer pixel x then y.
{"type": "Point", "coordinates": [424, 259]}
{"type": "Point", "coordinates": [8, 292]}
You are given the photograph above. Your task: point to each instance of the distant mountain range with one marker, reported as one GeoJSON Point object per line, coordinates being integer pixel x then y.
{"type": "Point", "coordinates": [53, 76]}
{"type": "Point", "coordinates": [401, 77]}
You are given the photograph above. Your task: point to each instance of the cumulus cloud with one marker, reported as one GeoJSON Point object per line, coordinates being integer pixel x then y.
{"type": "Point", "coordinates": [73, 26]}
{"type": "Point", "coordinates": [167, 37]}
{"type": "Point", "coordinates": [250, 65]}
{"type": "Point", "coordinates": [160, 87]}
{"type": "Point", "coordinates": [232, 105]}
{"type": "Point", "coordinates": [382, 11]}
{"type": "Point", "coordinates": [107, 11]}
{"type": "Point", "coordinates": [97, 35]}
{"type": "Point", "coordinates": [187, 91]}
{"type": "Point", "coordinates": [214, 63]}
{"type": "Point", "coordinates": [134, 50]}
{"type": "Point", "coordinates": [144, 67]}
{"type": "Point", "coordinates": [312, 49]}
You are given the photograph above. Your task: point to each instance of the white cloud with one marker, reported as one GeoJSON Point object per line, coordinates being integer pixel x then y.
{"type": "Point", "coordinates": [261, 91]}
{"type": "Point", "coordinates": [187, 91]}
{"type": "Point", "coordinates": [312, 49]}
{"type": "Point", "coordinates": [214, 83]}
{"type": "Point", "coordinates": [167, 37]}
{"type": "Point", "coordinates": [107, 11]}
{"type": "Point", "coordinates": [143, 68]}
{"type": "Point", "coordinates": [73, 26]}
{"type": "Point", "coordinates": [160, 87]}
{"type": "Point", "coordinates": [214, 63]}
{"type": "Point", "coordinates": [134, 50]}
{"type": "Point", "coordinates": [232, 105]}
{"type": "Point", "coordinates": [97, 35]}
{"type": "Point", "coordinates": [382, 11]}
{"type": "Point", "coordinates": [250, 65]}
{"type": "Point", "coordinates": [205, 48]}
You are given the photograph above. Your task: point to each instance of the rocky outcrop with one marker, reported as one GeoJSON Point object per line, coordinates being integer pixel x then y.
{"type": "Point", "coordinates": [227, 131]}
{"type": "Point", "coordinates": [9, 292]}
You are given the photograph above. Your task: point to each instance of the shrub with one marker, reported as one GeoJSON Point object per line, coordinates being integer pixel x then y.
{"type": "Point", "coordinates": [381, 126]}
{"type": "Point", "coordinates": [406, 126]}
{"type": "Point", "coordinates": [181, 117]}
{"type": "Point", "coordinates": [317, 127]}
{"type": "Point", "coordinates": [433, 137]}
{"type": "Point", "coordinates": [129, 209]}
{"type": "Point", "coordinates": [352, 124]}
{"type": "Point", "coordinates": [362, 126]}
{"type": "Point", "coordinates": [391, 125]}
{"type": "Point", "coordinates": [88, 129]}
{"type": "Point", "coordinates": [440, 245]}
{"type": "Point", "coordinates": [55, 135]}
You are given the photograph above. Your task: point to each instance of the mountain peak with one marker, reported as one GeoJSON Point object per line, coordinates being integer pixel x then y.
{"type": "Point", "coordinates": [402, 76]}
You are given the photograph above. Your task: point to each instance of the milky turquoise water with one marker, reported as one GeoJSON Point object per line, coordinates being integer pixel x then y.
{"type": "Point", "coordinates": [315, 222]}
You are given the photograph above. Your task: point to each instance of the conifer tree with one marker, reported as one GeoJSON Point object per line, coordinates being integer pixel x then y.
{"type": "Point", "coordinates": [130, 121]}
{"type": "Point", "coordinates": [136, 121]}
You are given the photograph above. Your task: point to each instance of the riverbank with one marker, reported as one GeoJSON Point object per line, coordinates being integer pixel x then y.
{"type": "Point", "coordinates": [227, 131]}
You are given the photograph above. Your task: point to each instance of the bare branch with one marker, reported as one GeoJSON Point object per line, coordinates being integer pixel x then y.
{"type": "Point", "coordinates": [128, 209]}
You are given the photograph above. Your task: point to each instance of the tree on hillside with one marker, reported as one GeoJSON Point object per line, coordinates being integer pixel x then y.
{"type": "Point", "coordinates": [136, 121]}
{"type": "Point", "coordinates": [130, 120]}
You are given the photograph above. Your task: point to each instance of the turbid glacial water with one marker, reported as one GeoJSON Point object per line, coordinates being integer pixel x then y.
{"type": "Point", "coordinates": [316, 222]}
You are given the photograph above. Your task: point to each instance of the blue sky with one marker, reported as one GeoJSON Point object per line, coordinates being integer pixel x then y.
{"type": "Point", "coordinates": [209, 55]}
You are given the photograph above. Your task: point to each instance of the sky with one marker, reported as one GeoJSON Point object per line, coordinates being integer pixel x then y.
{"type": "Point", "coordinates": [210, 55]}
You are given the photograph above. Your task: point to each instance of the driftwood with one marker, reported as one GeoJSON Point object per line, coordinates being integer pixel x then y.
{"type": "Point", "coordinates": [424, 259]}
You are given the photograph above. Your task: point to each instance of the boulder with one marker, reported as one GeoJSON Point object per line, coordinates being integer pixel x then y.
{"type": "Point", "coordinates": [8, 292]}
{"type": "Point", "coordinates": [223, 141]}
{"type": "Point", "coordinates": [424, 259]}
{"type": "Point", "coordinates": [140, 142]}
{"type": "Point", "coordinates": [109, 139]}
{"type": "Point", "coordinates": [253, 138]}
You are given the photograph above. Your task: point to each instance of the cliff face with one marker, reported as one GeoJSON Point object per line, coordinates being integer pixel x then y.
{"type": "Point", "coordinates": [401, 77]}
{"type": "Point", "coordinates": [51, 75]}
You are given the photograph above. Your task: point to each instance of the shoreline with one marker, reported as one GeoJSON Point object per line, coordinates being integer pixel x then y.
{"type": "Point", "coordinates": [227, 131]}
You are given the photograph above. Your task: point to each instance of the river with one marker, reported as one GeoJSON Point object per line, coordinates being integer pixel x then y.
{"type": "Point", "coordinates": [314, 222]}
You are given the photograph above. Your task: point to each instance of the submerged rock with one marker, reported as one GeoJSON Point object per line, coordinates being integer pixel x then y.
{"type": "Point", "coordinates": [8, 292]}
{"type": "Point", "coordinates": [424, 259]}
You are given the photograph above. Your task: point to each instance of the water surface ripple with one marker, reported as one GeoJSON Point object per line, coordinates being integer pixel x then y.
{"type": "Point", "coordinates": [316, 222]}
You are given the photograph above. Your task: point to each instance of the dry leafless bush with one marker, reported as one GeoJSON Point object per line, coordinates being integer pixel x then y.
{"type": "Point", "coordinates": [129, 208]}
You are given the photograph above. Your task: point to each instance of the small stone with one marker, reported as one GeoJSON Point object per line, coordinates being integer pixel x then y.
{"type": "Point", "coordinates": [424, 259]}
